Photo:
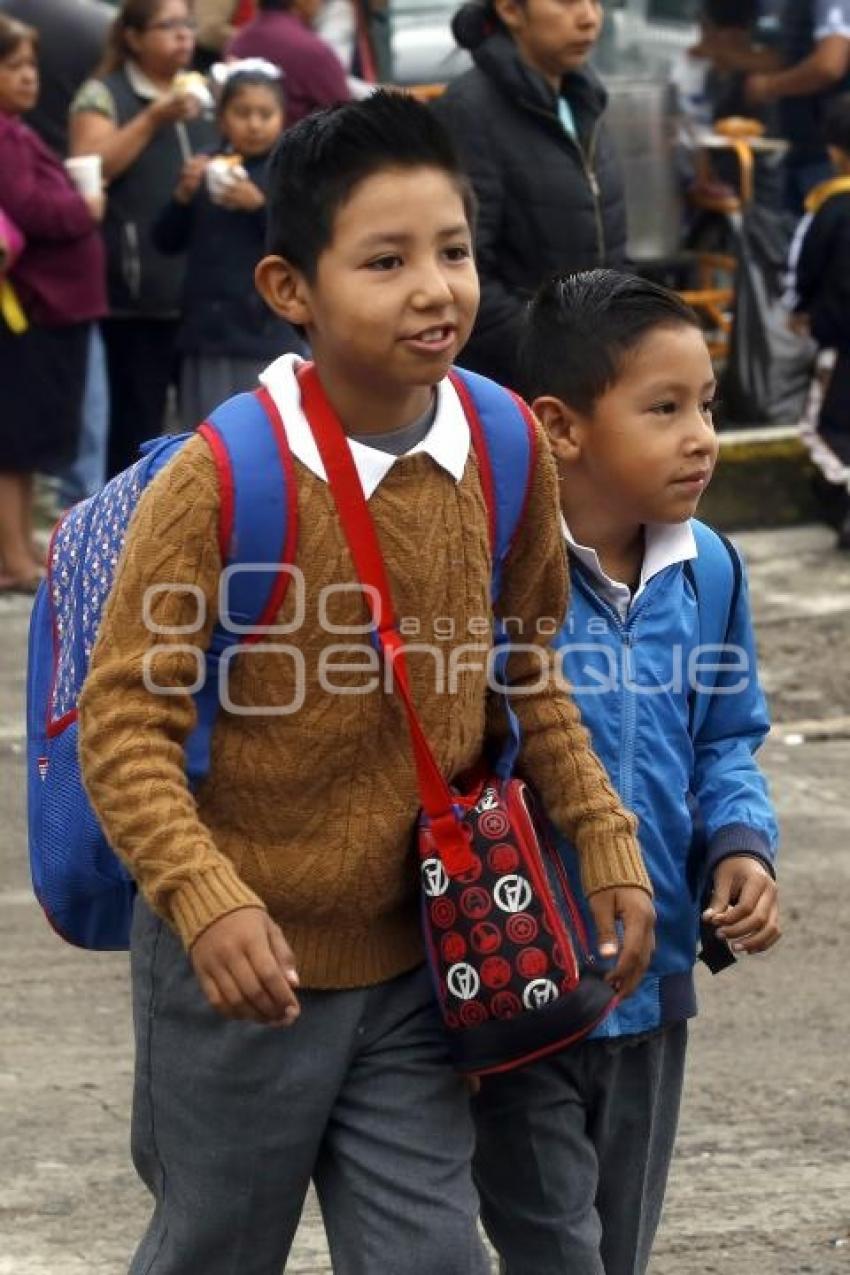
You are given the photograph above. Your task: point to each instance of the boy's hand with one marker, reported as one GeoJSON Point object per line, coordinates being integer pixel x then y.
{"type": "Point", "coordinates": [744, 907]}
{"type": "Point", "coordinates": [247, 968]}
{"type": "Point", "coordinates": [242, 196]}
{"type": "Point", "coordinates": [632, 907]}
{"type": "Point", "coordinates": [191, 178]}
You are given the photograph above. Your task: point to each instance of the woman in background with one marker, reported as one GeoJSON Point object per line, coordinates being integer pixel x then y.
{"type": "Point", "coordinates": [528, 121]}
{"type": "Point", "coordinates": [145, 126]}
{"type": "Point", "coordinates": [58, 281]}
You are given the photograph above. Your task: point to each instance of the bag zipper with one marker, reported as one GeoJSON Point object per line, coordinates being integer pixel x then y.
{"type": "Point", "coordinates": [517, 795]}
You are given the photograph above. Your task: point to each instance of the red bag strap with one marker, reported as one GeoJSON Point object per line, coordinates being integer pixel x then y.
{"type": "Point", "coordinates": [365, 549]}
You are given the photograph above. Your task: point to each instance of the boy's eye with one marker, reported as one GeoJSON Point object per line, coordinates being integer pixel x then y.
{"type": "Point", "coordinates": [667, 408]}
{"type": "Point", "coordinates": [388, 262]}
{"type": "Point", "coordinates": [458, 252]}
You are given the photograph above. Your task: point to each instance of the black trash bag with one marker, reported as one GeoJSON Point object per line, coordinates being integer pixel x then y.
{"type": "Point", "coordinates": [769, 368]}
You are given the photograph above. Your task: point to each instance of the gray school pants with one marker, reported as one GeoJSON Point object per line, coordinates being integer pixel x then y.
{"type": "Point", "coordinates": [231, 1120]}
{"type": "Point", "coordinates": [573, 1154]}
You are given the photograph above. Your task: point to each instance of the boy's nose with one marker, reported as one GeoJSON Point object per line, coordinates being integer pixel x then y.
{"type": "Point", "coordinates": [432, 287]}
{"type": "Point", "coordinates": [702, 438]}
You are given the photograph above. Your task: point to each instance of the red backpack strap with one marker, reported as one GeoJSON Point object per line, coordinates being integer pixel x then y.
{"type": "Point", "coordinates": [365, 549]}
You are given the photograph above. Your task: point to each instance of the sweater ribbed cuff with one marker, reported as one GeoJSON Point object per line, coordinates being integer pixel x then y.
{"type": "Point", "coordinates": [207, 897]}
{"type": "Point", "coordinates": [738, 839]}
{"type": "Point", "coordinates": [610, 860]}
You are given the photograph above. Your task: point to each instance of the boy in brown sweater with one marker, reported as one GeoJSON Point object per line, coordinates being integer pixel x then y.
{"type": "Point", "coordinates": [283, 892]}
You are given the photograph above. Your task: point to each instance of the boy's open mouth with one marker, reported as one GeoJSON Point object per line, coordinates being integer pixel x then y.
{"type": "Point", "coordinates": [432, 340]}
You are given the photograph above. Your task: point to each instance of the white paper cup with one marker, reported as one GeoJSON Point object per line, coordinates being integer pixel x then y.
{"type": "Point", "coordinates": [220, 177]}
{"type": "Point", "coordinates": [86, 173]}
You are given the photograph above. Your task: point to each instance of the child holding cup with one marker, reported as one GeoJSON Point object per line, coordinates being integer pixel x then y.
{"type": "Point", "coordinates": [217, 216]}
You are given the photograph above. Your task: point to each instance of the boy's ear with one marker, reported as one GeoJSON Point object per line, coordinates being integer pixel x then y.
{"type": "Point", "coordinates": [284, 290]}
{"type": "Point", "coordinates": [562, 426]}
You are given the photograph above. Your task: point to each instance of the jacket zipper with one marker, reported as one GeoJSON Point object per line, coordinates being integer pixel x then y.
{"type": "Point", "coordinates": [587, 160]}
{"type": "Point", "coordinates": [629, 720]}
{"type": "Point", "coordinates": [531, 853]}
{"type": "Point", "coordinates": [587, 163]}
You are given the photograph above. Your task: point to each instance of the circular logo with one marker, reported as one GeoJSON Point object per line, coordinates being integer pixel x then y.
{"type": "Point", "coordinates": [472, 874]}
{"type": "Point", "coordinates": [505, 1005]}
{"type": "Point", "coordinates": [495, 972]}
{"type": "Point", "coordinates": [453, 947]}
{"type": "Point", "coordinates": [522, 929]}
{"type": "Point", "coordinates": [435, 880]}
{"type": "Point", "coordinates": [532, 962]}
{"type": "Point", "coordinates": [443, 913]}
{"type": "Point", "coordinates": [512, 893]}
{"type": "Point", "coordinates": [503, 858]}
{"type": "Point", "coordinates": [475, 903]}
{"type": "Point", "coordinates": [485, 938]}
{"type": "Point", "coordinates": [473, 1013]}
{"type": "Point", "coordinates": [463, 981]}
{"type": "Point", "coordinates": [494, 824]}
{"type": "Point", "coordinates": [539, 994]}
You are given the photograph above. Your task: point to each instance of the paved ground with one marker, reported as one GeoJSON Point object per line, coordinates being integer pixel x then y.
{"type": "Point", "coordinates": [761, 1184]}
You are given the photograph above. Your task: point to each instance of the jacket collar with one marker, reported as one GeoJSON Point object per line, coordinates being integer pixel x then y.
{"type": "Point", "coordinates": [666, 545]}
{"type": "Point", "coordinates": [817, 197]}
{"type": "Point", "coordinates": [498, 58]}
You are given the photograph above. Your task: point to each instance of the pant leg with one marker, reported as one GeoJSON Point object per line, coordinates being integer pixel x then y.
{"type": "Point", "coordinates": [573, 1155]}
{"type": "Point", "coordinates": [140, 356]}
{"type": "Point", "coordinates": [86, 474]}
{"type": "Point", "coordinates": [228, 1116]}
{"type": "Point", "coordinates": [394, 1172]}
{"type": "Point", "coordinates": [536, 1165]}
{"type": "Point", "coordinates": [634, 1130]}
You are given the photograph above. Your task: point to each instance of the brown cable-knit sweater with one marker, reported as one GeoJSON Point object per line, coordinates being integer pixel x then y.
{"type": "Point", "coordinates": [311, 813]}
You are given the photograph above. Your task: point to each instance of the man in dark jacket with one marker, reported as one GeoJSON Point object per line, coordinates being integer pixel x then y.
{"type": "Point", "coordinates": [527, 119]}
{"type": "Point", "coordinates": [815, 47]}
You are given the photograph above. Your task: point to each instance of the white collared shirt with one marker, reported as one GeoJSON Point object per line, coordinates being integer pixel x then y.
{"type": "Point", "coordinates": [447, 441]}
{"type": "Point", "coordinates": [665, 544]}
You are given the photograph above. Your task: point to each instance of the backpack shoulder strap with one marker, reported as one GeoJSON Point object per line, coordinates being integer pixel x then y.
{"type": "Point", "coordinates": [258, 529]}
{"type": "Point", "coordinates": [258, 523]}
{"type": "Point", "coordinates": [504, 439]}
{"type": "Point", "coordinates": [715, 576]}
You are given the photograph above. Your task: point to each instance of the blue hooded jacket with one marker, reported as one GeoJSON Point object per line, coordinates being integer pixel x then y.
{"type": "Point", "coordinates": [669, 750]}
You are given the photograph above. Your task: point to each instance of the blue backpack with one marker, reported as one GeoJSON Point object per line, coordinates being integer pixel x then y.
{"type": "Point", "coordinates": [84, 889]}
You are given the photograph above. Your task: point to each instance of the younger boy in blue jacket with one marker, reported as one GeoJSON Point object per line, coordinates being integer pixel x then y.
{"type": "Point", "coordinates": [622, 381]}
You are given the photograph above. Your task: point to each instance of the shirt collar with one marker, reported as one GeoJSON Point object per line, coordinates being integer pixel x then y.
{"type": "Point", "coordinates": [665, 545]}
{"type": "Point", "coordinates": [139, 82]}
{"type": "Point", "coordinates": [447, 441]}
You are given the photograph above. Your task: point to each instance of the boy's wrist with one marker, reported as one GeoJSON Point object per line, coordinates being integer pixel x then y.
{"type": "Point", "coordinates": [207, 896]}
{"type": "Point", "coordinates": [608, 861]}
{"type": "Point", "coordinates": [738, 839]}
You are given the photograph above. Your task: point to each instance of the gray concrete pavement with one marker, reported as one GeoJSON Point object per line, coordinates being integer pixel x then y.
{"type": "Point", "coordinates": [761, 1183]}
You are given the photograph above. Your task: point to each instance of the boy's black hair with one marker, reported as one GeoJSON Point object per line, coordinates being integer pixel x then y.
{"type": "Point", "coordinates": [579, 328]}
{"type": "Point", "coordinates": [318, 163]}
{"type": "Point", "coordinates": [836, 123]}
